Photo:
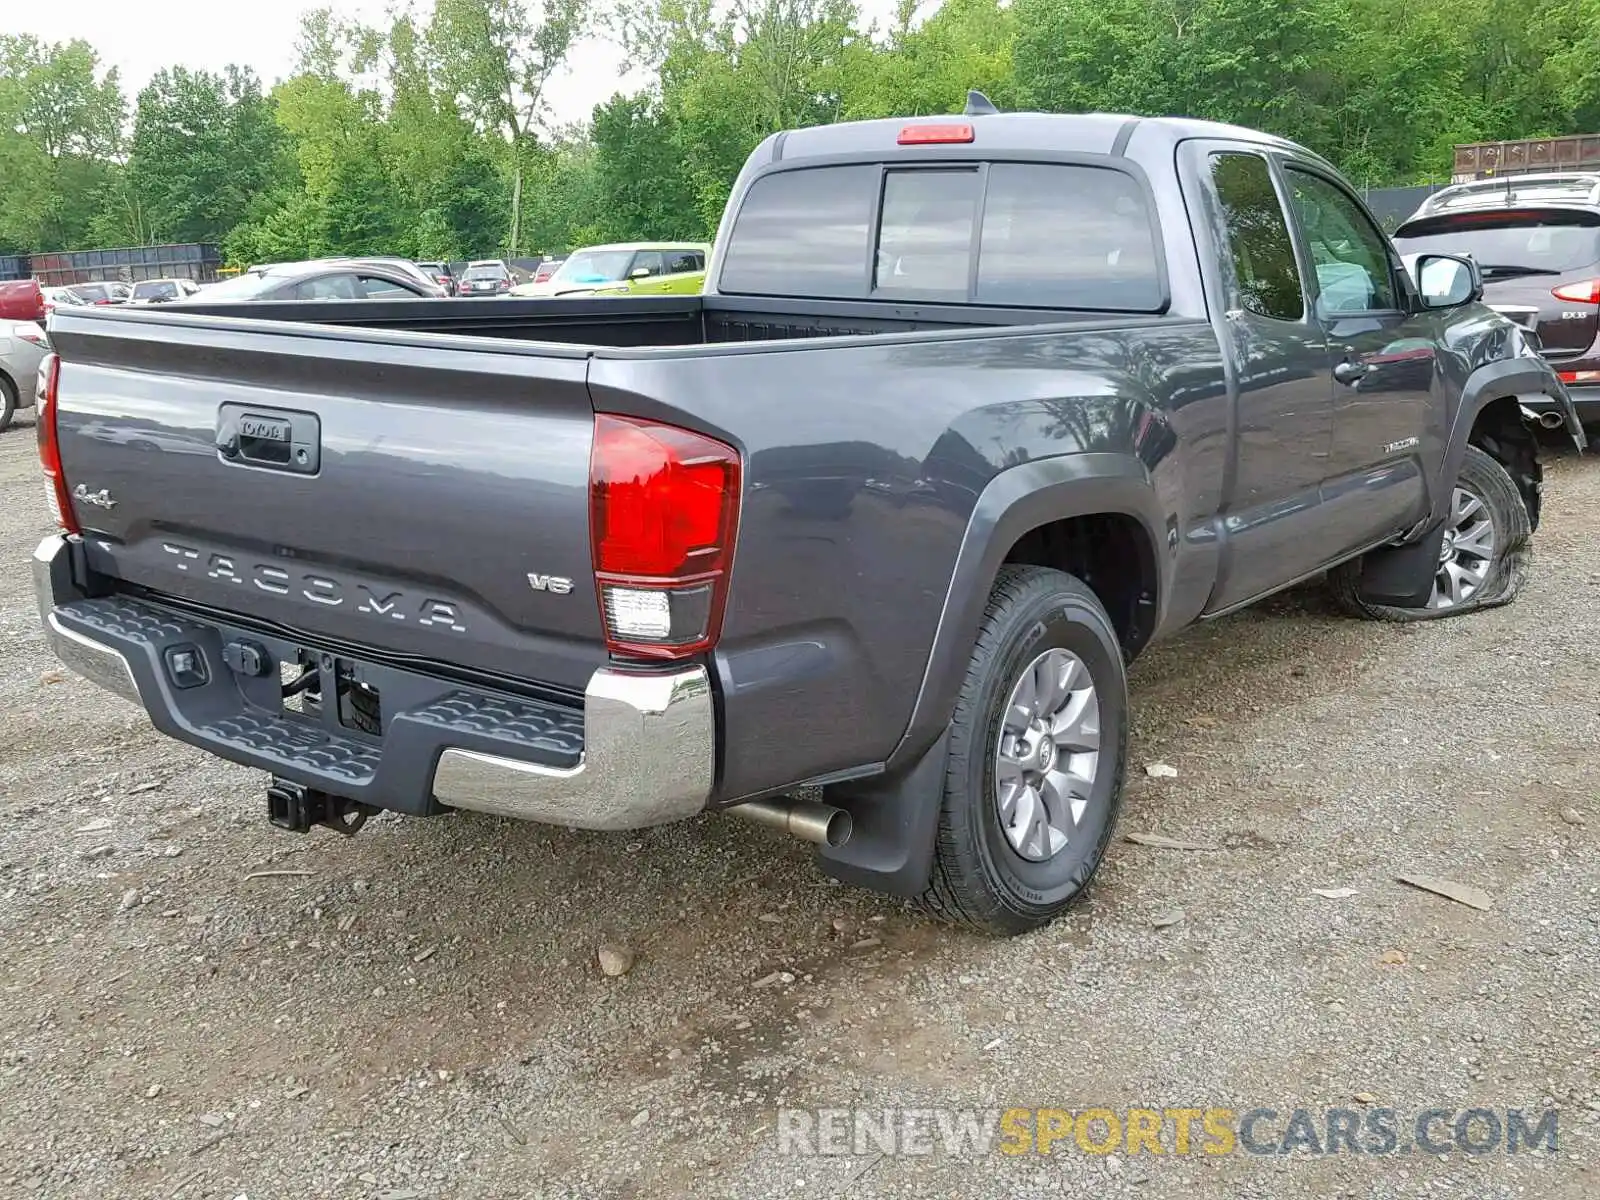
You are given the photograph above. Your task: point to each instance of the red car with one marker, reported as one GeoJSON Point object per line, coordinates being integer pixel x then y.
{"type": "Point", "coordinates": [22, 300]}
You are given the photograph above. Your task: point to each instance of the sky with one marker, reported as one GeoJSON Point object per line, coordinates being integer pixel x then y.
{"type": "Point", "coordinates": [139, 37]}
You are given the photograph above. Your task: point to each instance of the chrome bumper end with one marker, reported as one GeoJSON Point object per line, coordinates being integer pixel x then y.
{"type": "Point", "coordinates": [649, 754]}
{"type": "Point", "coordinates": [98, 663]}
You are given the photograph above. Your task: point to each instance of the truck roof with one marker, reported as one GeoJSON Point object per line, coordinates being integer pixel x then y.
{"type": "Point", "coordinates": [1084, 133]}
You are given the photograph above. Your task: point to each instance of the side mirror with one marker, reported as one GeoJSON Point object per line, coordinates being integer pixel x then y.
{"type": "Point", "coordinates": [639, 273]}
{"type": "Point", "coordinates": [1448, 281]}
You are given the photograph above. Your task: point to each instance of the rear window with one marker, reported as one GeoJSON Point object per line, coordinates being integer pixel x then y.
{"type": "Point", "coordinates": [1506, 244]}
{"type": "Point", "coordinates": [1017, 235]}
{"type": "Point", "coordinates": [803, 233]}
{"type": "Point", "coordinates": [485, 273]}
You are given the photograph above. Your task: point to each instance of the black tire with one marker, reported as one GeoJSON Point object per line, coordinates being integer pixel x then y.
{"type": "Point", "coordinates": [978, 879]}
{"type": "Point", "coordinates": [1485, 478]}
{"type": "Point", "coordinates": [8, 403]}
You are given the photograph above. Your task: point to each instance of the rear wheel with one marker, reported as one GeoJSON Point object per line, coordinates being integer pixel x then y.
{"type": "Point", "coordinates": [1484, 559]}
{"type": "Point", "coordinates": [8, 402]}
{"type": "Point", "coordinates": [1037, 750]}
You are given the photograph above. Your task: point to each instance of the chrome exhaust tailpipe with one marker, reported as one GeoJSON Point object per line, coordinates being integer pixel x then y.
{"type": "Point", "coordinates": [1551, 420]}
{"type": "Point", "coordinates": [808, 820]}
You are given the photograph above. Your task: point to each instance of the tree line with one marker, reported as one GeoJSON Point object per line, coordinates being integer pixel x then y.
{"type": "Point", "coordinates": [430, 136]}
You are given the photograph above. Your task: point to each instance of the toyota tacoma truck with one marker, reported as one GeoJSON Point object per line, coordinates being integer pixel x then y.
{"type": "Point", "coordinates": [858, 543]}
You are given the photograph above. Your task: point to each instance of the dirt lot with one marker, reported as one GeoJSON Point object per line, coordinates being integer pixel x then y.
{"type": "Point", "coordinates": [417, 1012]}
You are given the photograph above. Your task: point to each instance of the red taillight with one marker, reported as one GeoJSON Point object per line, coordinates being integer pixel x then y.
{"type": "Point", "coordinates": [1587, 292]}
{"type": "Point", "coordinates": [1579, 376]}
{"type": "Point", "coordinates": [934, 135]}
{"type": "Point", "coordinates": [56, 493]}
{"type": "Point", "coordinates": [663, 514]}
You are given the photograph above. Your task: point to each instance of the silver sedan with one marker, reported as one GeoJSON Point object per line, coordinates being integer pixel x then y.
{"type": "Point", "coordinates": [22, 345]}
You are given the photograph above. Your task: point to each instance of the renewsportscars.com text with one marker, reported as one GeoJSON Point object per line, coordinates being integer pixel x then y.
{"type": "Point", "coordinates": [1263, 1130]}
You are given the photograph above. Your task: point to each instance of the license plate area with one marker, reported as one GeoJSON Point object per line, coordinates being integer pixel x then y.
{"type": "Point", "coordinates": [332, 692]}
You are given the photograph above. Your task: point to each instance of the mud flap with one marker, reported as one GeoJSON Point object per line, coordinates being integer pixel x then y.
{"type": "Point", "coordinates": [1402, 576]}
{"type": "Point", "coordinates": [894, 823]}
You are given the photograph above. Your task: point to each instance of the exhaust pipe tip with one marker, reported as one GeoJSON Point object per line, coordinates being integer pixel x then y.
{"type": "Point", "coordinates": [1550, 420]}
{"type": "Point", "coordinates": [820, 824]}
{"type": "Point", "coordinates": [838, 829]}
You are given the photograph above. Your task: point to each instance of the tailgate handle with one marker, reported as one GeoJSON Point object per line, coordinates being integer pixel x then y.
{"type": "Point", "coordinates": [277, 439]}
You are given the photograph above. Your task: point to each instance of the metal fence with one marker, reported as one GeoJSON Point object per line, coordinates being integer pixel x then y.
{"type": "Point", "coordinates": [129, 264]}
{"type": "Point", "coordinates": [1392, 205]}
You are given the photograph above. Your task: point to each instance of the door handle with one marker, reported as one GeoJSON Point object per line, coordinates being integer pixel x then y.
{"type": "Point", "coordinates": [1350, 372]}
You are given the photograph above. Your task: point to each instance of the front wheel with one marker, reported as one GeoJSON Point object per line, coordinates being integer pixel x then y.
{"type": "Point", "coordinates": [1484, 559]}
{"type": "Point", "coordinates": [1038, 746]}
{"type": "Point", "coordinates": [8, 402]}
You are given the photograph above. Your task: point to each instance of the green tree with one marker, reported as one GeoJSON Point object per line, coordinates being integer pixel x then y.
{"type": "Point", "coordinates": [205, 147]}
{"type": "Point", "coordinates": [494, 59]}
{"type": "Point", "coordinates": [60, 133]}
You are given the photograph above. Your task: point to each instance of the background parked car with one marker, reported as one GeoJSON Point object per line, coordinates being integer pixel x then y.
{"type": "Point", "coordinates": [110, 291]}
{"type": "Point", "coordinates": [322, 279]}
{"type": "Point", "coordinates": [441, 274]}
{"type": "Point", "coordinates": [162, 291]}
{"type": "Point", "coordinates": [22, 300]}
{"type": "Point", "coordinates": [485, 277]}
{"type": "Point", "coordinates": [547, 268]}
{"type": "Point", "coordinates": [635, 268]}
{"type": "Point", "coordinates": [61, 295]}
{"type": "Point", "coordinates": [22, 345]}
{"type": "Point", "coordinates": [1536, 239]}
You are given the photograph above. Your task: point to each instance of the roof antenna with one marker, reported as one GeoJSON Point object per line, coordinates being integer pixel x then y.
{"type": "Point", "coordinates": [979, 105]}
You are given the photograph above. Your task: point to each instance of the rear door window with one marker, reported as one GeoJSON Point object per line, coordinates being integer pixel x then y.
{"type": "Point", "coordinates": [328, 287]}
{"type": "Point", "coordinates": [1068, 237]}
{"type": "Point", "coordinates": [374, 287]}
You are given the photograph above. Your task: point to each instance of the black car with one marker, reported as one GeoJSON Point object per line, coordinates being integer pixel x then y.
{"type": "Point", "coordinates": [441, 274]}
{"type": "Point", "coordinates": [486, 277]}
{"type": "Point", "coordinates": [327, 279]}
{"type": "Point", "coordinates": [1536, 239]}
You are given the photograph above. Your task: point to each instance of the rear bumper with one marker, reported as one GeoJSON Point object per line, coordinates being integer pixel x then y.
{"type": "Point", "coordinates": [641, 751]}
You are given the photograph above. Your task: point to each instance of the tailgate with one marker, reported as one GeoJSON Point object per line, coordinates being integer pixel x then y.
{"type": "Point", "coordinates": [421, 494]}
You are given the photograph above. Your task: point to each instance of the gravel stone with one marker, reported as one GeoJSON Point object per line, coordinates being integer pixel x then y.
{"type": "Point", "coordinates": [1447, 749]}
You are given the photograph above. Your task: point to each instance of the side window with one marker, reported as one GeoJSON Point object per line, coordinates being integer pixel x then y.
{"type": "Point", "coordinates": [1258, 237]}
{"type": "Point", "coordinates": [374, 288]}
{"type": "Point", "coordinates": [1067, 237]}
{"type": "Point", "coordinates": [925, 237]}
{"type": "Point", "coordinates": [1354, 270]}
{"type": "Point", "coordinates": [681, 261]}
{"type": "Point", "coordinates": [328, 287]}
{"type": "Point", "coordinates": [648, 261]}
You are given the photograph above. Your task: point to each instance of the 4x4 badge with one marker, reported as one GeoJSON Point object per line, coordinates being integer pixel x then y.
{"type": "Point", "coordinates": [100, 499]}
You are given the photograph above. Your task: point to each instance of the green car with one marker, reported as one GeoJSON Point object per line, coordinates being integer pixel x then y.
{"type": "Point", "coordinates": [630, 269]}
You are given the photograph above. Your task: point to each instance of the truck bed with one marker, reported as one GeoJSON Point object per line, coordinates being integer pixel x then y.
{"type": "Point", "coordinates": [631, 322]}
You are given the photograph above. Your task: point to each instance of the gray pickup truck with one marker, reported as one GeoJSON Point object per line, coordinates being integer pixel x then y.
{"type": "Point", "coordinates": [857, 544]}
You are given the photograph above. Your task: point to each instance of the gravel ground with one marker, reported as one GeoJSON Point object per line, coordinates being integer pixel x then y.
{"type": "Point", "coordinates": [418, 1012]}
